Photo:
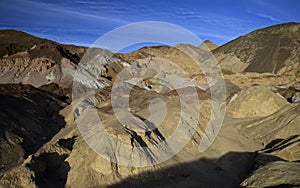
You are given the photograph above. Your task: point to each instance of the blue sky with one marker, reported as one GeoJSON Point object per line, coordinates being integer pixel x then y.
{"type": "Point", "coordinates": [82, 22]}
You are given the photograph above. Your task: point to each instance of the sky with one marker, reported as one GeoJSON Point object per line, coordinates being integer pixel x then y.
{"type": "Point", "coordinates": [82, 22]}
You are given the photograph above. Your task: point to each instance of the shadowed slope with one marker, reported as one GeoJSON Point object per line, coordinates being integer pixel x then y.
{"type": "Point", "coordinates": [29, 118]}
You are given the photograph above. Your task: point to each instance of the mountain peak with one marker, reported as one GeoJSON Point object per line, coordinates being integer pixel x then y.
{"type": "Point", "coordinates": [208, 44]}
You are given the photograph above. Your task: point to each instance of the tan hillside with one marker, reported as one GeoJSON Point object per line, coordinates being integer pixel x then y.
{"type": "Point", "coordinates": [274, 49]}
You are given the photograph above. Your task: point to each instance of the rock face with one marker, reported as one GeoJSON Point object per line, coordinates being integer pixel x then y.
{"type": "Point", "coordinates": [73, 117]}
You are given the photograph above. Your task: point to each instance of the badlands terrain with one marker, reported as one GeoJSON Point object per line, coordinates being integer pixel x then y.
{"type": "Point", "coordinates": [52, 96]}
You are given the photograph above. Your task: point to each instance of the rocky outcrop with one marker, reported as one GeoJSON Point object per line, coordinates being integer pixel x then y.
{"type": "Point", "coordinates": [47, 63]}
{"type": "Point", "coordinates": [256, 101]}
{"type": "Point", "coordinates": [289, 91]}
{"type": "Point", "coordinates": [275, 174]}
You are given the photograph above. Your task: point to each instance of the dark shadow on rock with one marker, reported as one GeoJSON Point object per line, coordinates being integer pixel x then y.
{"type": "Point", "coordinates": [29, 118]}
{"type": "Point", "coordinates": [51, 170]}
{"type": "Point", "coordinates": [67, 143]}
{"type": "Point", "coordinates": [151, 126]}
{"type": "Point", "coordinates": [280, 143]}
{"type": "Point", "coordinates": [227, 171]}
{"type": "Point", "coordinates": [63, 93]}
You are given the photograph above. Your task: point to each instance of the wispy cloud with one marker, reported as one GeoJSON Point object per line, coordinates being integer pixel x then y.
{"type": "Point", "coordinates": [61, 9]}
{"type": "Point", "coordinates": [270, 8]}
{"type": "Point", "coordinates": [270, 17]}
{"type": "Point", "coordinates": [207, 24]}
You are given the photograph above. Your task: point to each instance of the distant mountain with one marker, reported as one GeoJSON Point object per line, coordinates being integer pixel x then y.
{"type": "Point", "coordinates": [172, 54]}
{"type": "Point", "coordinates": [13, 41]}
{"type": "Point", "coordinates": [208, 44]}
{"type": "Point", "coordinates": [274, 49]}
